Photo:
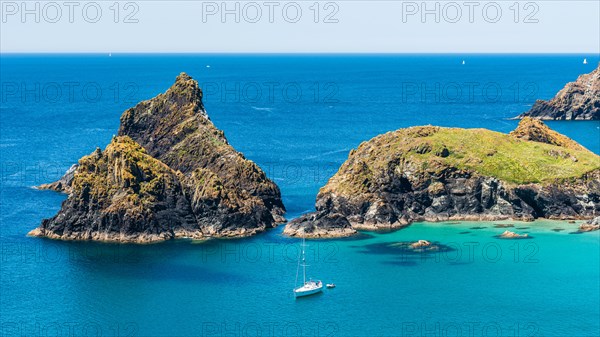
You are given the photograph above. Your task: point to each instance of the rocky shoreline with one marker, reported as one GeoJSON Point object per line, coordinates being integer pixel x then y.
{"type": "Point", "coordinates": [431, 174]}
{"type": "Point", "coordinates": [170, 173]}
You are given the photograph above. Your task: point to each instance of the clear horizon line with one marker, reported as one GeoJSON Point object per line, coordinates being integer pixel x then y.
{"type": "Point", "coordinates": [595, 53]}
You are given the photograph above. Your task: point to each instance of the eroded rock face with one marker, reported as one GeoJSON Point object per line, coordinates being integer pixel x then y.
{"type": "Point", "coordinates": [169, 173]}
{"type": "Point", "coordinates": [63, 184]}
{"type": "Point", "coordinates": [320, 225]}
{"type": "Point", "coordinates": [405, 176]}
{"type": "Point", "coordinates": [579, 100]}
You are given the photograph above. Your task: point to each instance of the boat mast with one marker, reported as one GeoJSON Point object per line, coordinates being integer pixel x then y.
{"type": "Point", "coordinates": [303, 260]}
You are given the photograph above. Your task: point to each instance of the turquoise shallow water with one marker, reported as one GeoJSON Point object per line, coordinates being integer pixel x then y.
{"type": "Point", "coordinates": [484, 286]}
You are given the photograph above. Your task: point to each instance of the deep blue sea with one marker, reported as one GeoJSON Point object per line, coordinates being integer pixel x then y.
{"type": "Point", "coordinates": [297, 116]}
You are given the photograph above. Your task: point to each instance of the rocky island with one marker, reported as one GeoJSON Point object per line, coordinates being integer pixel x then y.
{"type": "Point", "coordinates": [579, 100]}
{"type": "Point", "coordinates": [169, 173]}
{"type": "Point", "coordinates": [430, 173]}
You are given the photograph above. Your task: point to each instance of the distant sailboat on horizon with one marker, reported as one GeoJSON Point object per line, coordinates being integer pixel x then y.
{"type": "Point", "coordinates": [463, 62]}
{"type": "Point", "coordinates": [584, 61]}
{"type": "Point", "coordinates": [309, 287]}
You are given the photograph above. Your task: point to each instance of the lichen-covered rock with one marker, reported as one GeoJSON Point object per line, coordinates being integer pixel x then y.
{"type": "Point", "coordinates": [169, 173]}
{"type": "Point", "coordinates": [174, 128]}
{"type": "Point", "coordinates": [405, 176]}
{"type": "Point", "coordinates": [535, 130]}
{"type": "Point", "coordinates": [579, 100]}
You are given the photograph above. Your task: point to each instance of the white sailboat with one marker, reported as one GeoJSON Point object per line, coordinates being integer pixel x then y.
{"type": "Point", "coordinates": [584, 61]}
{"type": "Point", "coordinates": [308, 287]}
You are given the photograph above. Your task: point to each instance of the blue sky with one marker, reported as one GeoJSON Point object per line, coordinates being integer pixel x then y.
{"type": "Point", "coordinates": [301, 26]}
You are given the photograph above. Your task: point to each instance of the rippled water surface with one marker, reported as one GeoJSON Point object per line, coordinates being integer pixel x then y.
{"type": "Point", "coordinates": [297, 117]}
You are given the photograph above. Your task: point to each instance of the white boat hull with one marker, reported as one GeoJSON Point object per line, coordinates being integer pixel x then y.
{"type": "Point", "coordinates": [308, 289]}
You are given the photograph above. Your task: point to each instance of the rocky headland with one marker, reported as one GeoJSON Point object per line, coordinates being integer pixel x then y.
{"type": "Point", "coordinates": [169, 173]}
{"type": "Point", "coordinates": [431, 173]}
{"type": "Point", "coordinates": [579, 100]}
{"type": "Point", "coordinates": [63, 184]}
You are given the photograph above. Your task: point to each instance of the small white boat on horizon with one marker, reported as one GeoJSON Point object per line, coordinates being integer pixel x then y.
{"type": "Point", "coordinates": [584, 61]}
{"type": "Point", "coordinates": [309, 287]}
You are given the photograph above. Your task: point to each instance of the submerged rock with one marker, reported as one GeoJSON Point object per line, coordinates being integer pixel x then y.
{"type": "Point", "coordinates": [420, 244]}
{"type": "Point", "coordinates": [513, 235]}
{"type": "Point", "coordinates": [579, 100]}
{"type": "Point", "coordinates": [169, 173]}
{"type": "Point", "coordinates": [420, 247]}
{"type": "Point", "coordinates": [398, 178]}
{"type": "Point", "coordinates": [591, 225]}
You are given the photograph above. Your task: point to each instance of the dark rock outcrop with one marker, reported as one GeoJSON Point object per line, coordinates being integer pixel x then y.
{"type": "Point", "coordinates": [579, 100]}
{"type": "Point", "coordinates": [320, 225]}
{"type": "Point", "coordinates": [405, 176]}
{"type": "Point", "coordinates": [169, 173]}
{"type": "Point", "coordinates": [63, 184]}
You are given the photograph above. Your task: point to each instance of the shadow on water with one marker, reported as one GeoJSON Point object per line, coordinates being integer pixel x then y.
{"type": "Point", "coordinates": [153, 262]}
{"type": "Point", "coordinates": [405, 249]}
{"type": "Point", "coordinates": [358, 237]}
{"type": "Point", "coordinates": [171, 271]}
{"type": "Point", "coordinates": [528, 237]}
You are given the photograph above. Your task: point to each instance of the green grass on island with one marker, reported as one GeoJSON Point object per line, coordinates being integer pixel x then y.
{"type": "Point", "coordinates": [489, 153]}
